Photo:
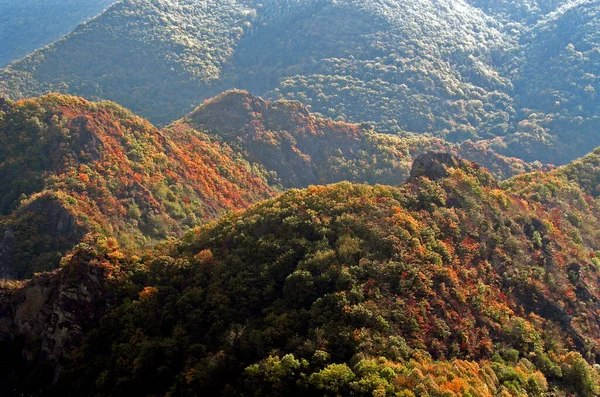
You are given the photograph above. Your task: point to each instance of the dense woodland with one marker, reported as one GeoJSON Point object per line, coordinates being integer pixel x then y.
{"type": "Point", "coordinates": [76, 168]}
{"type": "Point", "coordinates": [401, 212]}
{"type": "Point", "coordinates": [450, 285]}
{"type": "Point", "coordinates": [299, 148]}
{"type": "Point", "coordinates": [95, 168]}
{"type": "Point", "coordinates": [27, 25]}
{"type": "Point", "coordinates": [518, 76]}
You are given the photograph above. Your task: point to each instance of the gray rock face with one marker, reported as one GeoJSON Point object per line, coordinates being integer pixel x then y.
{"type": "Point", "coordinates": [4, 106]}
{"type": "Point", "coordinates": [437, 165]}
{"type": "Point", "coordinates": [49, 315]}
{"type": "Point", "coordinates": [7, 252]}
{"type": "Point", "coordinates": [43, 220]}
{"type": "Point", "coordinates": [433, 165]}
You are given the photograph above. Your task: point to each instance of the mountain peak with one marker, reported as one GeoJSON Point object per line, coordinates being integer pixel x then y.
{"type": "Point", "coordinates": [437, 165]}
{"type": "Point", "coordinates": [434, 165]}
{"type": "Point", "coordinates": [108, 171]}
{"type": "Point", "coordinates": [235, 110]}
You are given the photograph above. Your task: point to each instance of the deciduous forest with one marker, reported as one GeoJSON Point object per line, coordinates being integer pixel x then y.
{"type": "Point", "coordinates": [300, 198]}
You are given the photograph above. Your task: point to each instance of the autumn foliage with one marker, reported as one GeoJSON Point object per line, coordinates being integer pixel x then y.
{"type": "Point", "coordinates": [446, 286]}
{"type": "Point", "coordinates": [112, 173]}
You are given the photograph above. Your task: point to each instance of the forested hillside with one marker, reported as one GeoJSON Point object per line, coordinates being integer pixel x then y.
{"type": "Point", "coordinates": [336, 198]}
{"type": "Point", "coordinates": [557, 85]}
{"type": "Point", "coordinates": [518, 75]}
{"type": "Point", "coordinates": [74, 168]}
{"type": "Point", "coordinates": [519, 11]}
{"type": "Point", "coordinates": [26, 25]}
{"type": "Point", "coordinates": [420, 66]}
{"type": "Point", "coordinates": [449, 285]}
{"type": "Point", "coordinates": [155, 57]}
{"type": "Point", "coordinates": [298, 148]}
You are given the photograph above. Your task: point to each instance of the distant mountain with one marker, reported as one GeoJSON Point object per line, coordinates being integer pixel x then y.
{"type": "Point", "coordinates": [155, 57]}
{"type": "Point", "coordinates": [520, 11]}
{"type": "Point", "coordinates": [557, 85]}
{"type": "Point", "coordinates": [377, 223]}
{"type": "Point", "coordinates": [452, 284]}
{"type": "Point", "coordinates": [26, 25]}
{"type": "Point", "coordinates": [421, 66]}
{"type": "Point", "coordinates": [458, 70]}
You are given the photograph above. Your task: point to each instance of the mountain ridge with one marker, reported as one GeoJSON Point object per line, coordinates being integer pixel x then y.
{"type": "Point", "coordinates": [445, 69]}
{"type": "Point", "coordinates": [28, 25]}
{"type": "Point", "coordinates": [77, 167]}
{"type": "Point", "coordinates": [374, 219]}
{"type": "Point", "coordinates": [351, 288]}
{"type": "Point", "coordinates": [112, 173]}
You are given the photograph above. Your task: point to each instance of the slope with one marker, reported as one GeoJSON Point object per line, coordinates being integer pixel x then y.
{"type": "Point", "coordinates": [419, 66]}
{"type": "Point", "coordinates": [518, 75]}
{"type": "Point", "coordinates": [300, 148]}
{"type": "Point", "coordinates": [151, 56]}
{"type": "Point", "coordinates": [72, 167]}
{"type": "Point", "coordinates": [556, 85]}
{"type": "Point", "coordinates": [448, 285]}
{"type": "Point", "coordinates": [518, 11]}
{"type": "Point", "coordinates": [27, 25]}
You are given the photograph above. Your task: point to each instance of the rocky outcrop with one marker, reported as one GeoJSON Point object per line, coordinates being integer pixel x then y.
{"type": "Point", "coordinates": [437, 165]}
{"type": "Point", "coordinates": [4, 105]}
{"type": "Point", "coordinates": [48, 316]}
{"type": "Point", "coordinates": [7, 254]}
{"type": "Point", "coordinates": [41, 232]}
{"type": "Point", "coordinates": [434, 165]}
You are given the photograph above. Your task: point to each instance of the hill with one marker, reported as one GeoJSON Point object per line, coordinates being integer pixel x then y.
{"type": "Point", "coordinates": [518, 11]}
{"type": "Point", "coordinates": [27, 25]}
{"type": "Point", "coordinates": [557, 84]}
{"type": "Point", "coordinates": [73, 167]}
{"type": "Point", "coordinates": [457, 70]}
{"type": "Point", "coordinates": [417, 66]}
{"type": "Point", "coordinates": [448, 285]}
{"type": "Point", "coordinates": [299, 148]}
{"type": "Point", "coordinates": [155, 57]}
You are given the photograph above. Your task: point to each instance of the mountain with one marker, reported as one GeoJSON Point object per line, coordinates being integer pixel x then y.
{"type": "Point", "coordinates": [154, 57]}
{"type": "Point", "coordinates": [557, 84]}
{"type": "Point", "coordinates": [75, 169]}
{"type": "Point", "coordinates": [420, 66]}
{"type": "Point", "coordinates": [452, 284]}
{"type": "Point", "coordinates": [27, 25]}
{"type": "Point", "coordinates": [378, 222]}
{"type": "Point", "coordinates": [517, 75]}
{"type": "Point", "coordinates": [518, 11]}
{"type": "Point", "coordinates": [72, 168]}
{"type": "Point", "coordinates": [299, 148]}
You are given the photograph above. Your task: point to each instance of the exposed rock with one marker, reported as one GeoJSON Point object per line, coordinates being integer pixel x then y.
{"type": "Point", "coordinates": [4, 105]}
{"type": "Point", "coordinates": [49, 315]}
{"type": "Point", "coordinates": [53, 224]}
{"type": "Point", "coordinates": [88, 139]}
{"type": "Point", "coordinates": [436, 165]}
{"type": "Point", "coordinates": [7, 255]}
{"type": "Point", "coordinates": [433, 165]}
{"type": "Point", "coordinates": [537, 303]}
